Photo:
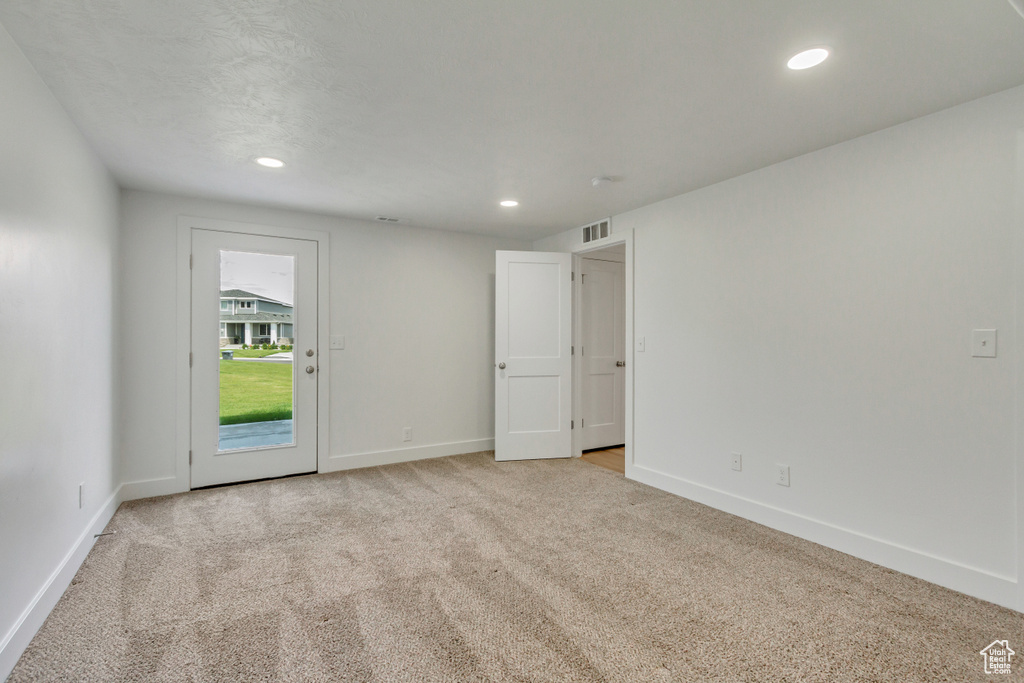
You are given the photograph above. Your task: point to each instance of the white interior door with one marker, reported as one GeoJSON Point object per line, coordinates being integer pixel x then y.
{"type": "Point", "coordinates": [253, 416]}
{"type": "Point", "coordinates": [533, 363]}
{"type": "Point", "coordinates": [602, 353]}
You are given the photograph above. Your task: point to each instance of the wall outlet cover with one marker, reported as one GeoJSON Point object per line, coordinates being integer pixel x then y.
{"type": "Point", "coordinates": [782, 475]}
{"type": "Point", "coordinates": [737, 462]}
{"type": "Point", "coordinates": [983, 344]}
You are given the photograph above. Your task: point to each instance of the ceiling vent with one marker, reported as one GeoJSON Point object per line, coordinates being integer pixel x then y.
{"type": "Point", "coordinates": [388, 219]}
{"type": "Point", "coordinates": [596, 231]}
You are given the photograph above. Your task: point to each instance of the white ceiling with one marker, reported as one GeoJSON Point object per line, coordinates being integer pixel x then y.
{"type": "Point", "coordinates": [434, 111]}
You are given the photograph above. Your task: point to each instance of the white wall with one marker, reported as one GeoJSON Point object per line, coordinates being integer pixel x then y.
{"type": "Point", "coordinates": [416, 307]}
{"type": "Point", "coordinates": [818, 313]}
{"type": "Point", "coordinates": [58, 236]}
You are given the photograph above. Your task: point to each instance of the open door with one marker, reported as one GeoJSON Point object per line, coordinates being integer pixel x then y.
{"type": "Point", "coordinates": [601, 346]}
{"type": "Point", "coordinates": [533, 355]}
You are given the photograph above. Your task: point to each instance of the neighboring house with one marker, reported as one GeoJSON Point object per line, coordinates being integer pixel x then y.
{"type": "Point", "coordinates": [247, 318]}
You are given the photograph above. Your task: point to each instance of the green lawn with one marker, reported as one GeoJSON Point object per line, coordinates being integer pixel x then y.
{"type": "Point", "coordinates": [255, 392]}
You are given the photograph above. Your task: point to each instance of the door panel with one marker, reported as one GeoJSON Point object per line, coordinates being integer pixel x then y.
{"type": "Point", "coordinates": [252, 417]}
{"type": "Point", "coordinates": [533, 366]}
{"type": "Point", "coordinates": [602, 346]}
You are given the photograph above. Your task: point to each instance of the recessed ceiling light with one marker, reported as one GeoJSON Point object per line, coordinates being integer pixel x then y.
{"type": "Point", "coordinates": [269, 162]}
{"type": "Point", "coordinates": [808, 58]}
{"type": "Point", "coordinates": [509, 203]}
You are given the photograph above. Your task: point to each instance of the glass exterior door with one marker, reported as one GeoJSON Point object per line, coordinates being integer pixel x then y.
{"type": "Point", "coordinates": [254, 367]}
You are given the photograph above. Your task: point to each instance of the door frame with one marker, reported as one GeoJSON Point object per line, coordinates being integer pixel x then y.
{"type": "Point", "coordinates": [578, 252]}
{"type": "Point", "coordinates": [183, 332]}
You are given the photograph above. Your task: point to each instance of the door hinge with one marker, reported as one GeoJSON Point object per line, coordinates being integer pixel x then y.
{"type": "Point", "coordinates": [583, 423]}
{"type": "Point", "coordinates": [572, 350]}
{"type": "Point", "coordinates": [190, 457]}
{"type": "Point", "coordinates": [583, 350]}
{"type": "Point", "coordinates": [190, 359]}
{"type": "Point", "coordinates": [583, 278]}
{"type": "Point", "coordinates": [190, 261]}
{"type": "Point", "coordinates": [572, 424]}
{"type": "Point", "coordinates": [574, 276]}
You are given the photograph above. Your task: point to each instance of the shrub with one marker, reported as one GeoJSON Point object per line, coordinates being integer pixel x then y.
{"type": "Point", "coordinates": [265, 347]}
{"type": "Point", "coordinates": [245, 346]}
{"type": "Point", "coordinates": [273, 346]}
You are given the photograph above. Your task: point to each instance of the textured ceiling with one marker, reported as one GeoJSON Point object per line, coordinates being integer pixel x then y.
{"type": "Point", "coordinates": [434, 111]}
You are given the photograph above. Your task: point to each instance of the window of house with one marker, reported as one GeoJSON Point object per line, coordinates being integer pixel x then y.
{"type": "Point", "coordinates": [245, 304]}
{"type": "Point", "coordinates": [223, 329]}
{"type": "Point", "coordinates": [225, 305]}
{"type": "Point", "coordinates": [264, 329]}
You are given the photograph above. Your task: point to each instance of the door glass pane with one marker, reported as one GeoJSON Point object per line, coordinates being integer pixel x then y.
{"type": "Point", "coordinates": [256, 387]}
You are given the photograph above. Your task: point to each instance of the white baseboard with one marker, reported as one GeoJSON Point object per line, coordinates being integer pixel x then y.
{"type": "Point", "coordinates": [17, 639]}
{"type": "Point", "coordinates": [973, 581]}
{"type": "Point", "coordinates": [150, 488]}
{"type": "Point", "coordinates": [373, 458]}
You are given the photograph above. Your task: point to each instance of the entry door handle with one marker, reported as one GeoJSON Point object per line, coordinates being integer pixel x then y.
{"type": "Point", "coordinates": [620, 363]}
{"type": "Point", "coordinates": [501, 366]}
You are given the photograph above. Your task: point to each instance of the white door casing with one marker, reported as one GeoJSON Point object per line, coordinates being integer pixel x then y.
{"type": "Point", "coordinates": [602, 353]}
{"type": "Point", "coordinates": [209, 465]}
{"type": "Point", "coordinates": [533, 363]}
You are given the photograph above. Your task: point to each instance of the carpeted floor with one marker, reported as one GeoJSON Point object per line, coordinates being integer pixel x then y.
{"type": "Point", "coordinates": [463, 569]}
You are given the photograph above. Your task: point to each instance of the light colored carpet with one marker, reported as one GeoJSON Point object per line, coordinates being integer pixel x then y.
{"type": "Point", "coordinates": [463, 569]}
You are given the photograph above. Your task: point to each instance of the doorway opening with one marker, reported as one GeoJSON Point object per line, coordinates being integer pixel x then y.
{"type": "Point", "coordinates": [600, 355]}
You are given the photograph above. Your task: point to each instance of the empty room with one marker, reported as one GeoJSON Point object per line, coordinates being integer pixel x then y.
{"type": "Point", "coordinates": [530, 341]}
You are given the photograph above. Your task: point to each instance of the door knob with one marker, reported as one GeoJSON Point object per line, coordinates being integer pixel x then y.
{"type": "Point", "coordinates": [501, 366]}
{"type": "Point", "coordinates": [310, 369]}
{"type": "Point", "coordinates": [309, 352]}
{"type": "Point", "coordinates": [620, 363]}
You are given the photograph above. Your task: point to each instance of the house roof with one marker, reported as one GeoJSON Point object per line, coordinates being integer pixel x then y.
{"type": "Point", "coordinates": [256, 318]}
{"type": "Point", "coordinates": [242, 294]}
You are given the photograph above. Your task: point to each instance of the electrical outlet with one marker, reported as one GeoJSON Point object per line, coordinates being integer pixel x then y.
{"type": "Point", "coordinates": [407, 434]}
{"type": "Point", "coordinates": [737, 462]}
{"type": "Point", "coordinates": [81, 493]}
{"type": "Point", "coordinates": [782, 475]}
{"type": "Point", "coordinates": [641, 344]}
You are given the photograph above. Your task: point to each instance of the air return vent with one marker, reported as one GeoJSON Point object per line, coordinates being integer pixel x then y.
{"type": "Point", "coordinates": [388, 219]}
{"type": "Point", "coordinates": [596, 231]}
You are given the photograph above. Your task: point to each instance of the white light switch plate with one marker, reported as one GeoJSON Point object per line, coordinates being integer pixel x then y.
{"type": "Point", "coordinates": [983, 344]}
{"type": "Point", "coordinates": [338, 342]}
{"type": "Point", "coordinates": [641, 344]}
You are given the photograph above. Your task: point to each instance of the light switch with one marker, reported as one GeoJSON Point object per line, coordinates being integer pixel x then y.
{"type": "Point", "coordinates": [641, 344]}
{"type": "Point", "coordinates": [983, 344]}
{"type": "Point", "coordinates": [338, 342]}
